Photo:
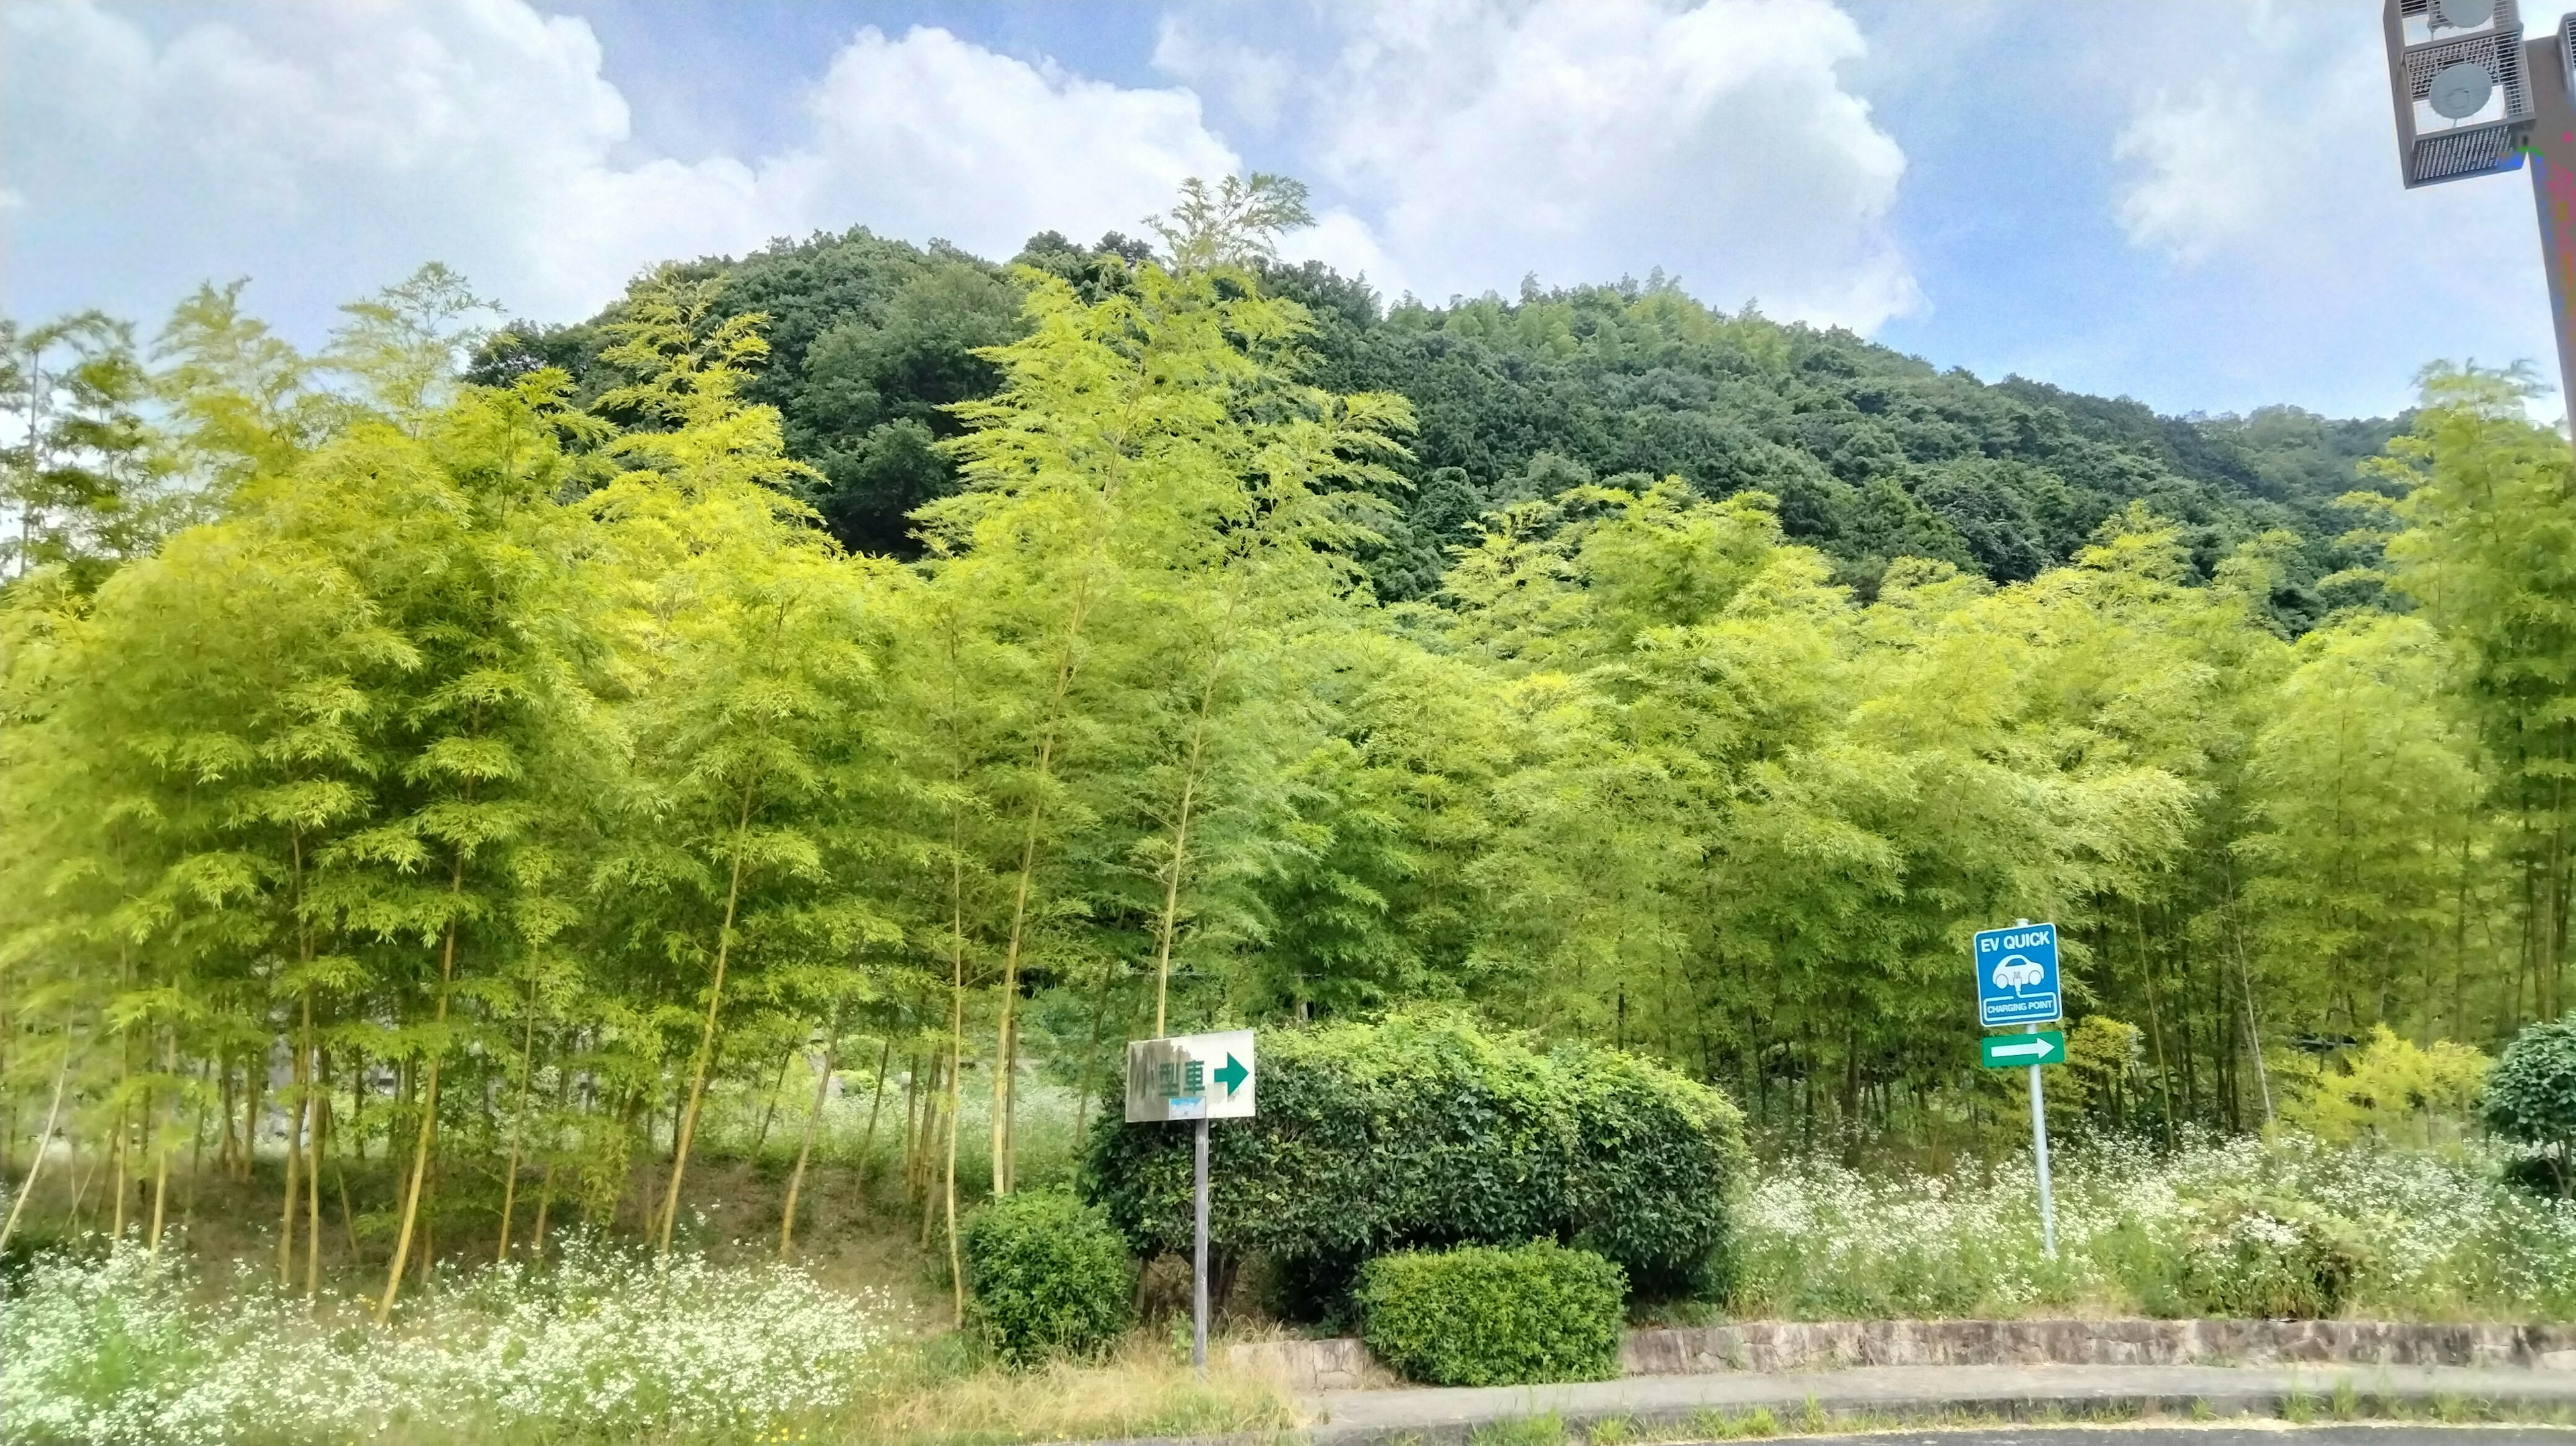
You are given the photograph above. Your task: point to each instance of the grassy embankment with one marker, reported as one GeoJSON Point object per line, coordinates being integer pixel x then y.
{"type": "Point", "coordinates": [851, 1341]}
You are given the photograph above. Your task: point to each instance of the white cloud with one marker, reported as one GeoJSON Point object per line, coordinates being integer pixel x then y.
{"type": "Point", "coordinates": [328, 149]}
{"type": "Point", "coordinates": [1586, 138]}
{"type": "Point", "coordinates": [2267, 135]}
{"type": "Point", "coordinates": [1349, 245]}
{"type": "Point", "coordinates": [2261, 158]}
{"type": "Point", "coordinates": [933, 135]}
{"type": "Point", "coordinates": [334, 140]}
{"type": "Point", "coordinates": [1256, 84]}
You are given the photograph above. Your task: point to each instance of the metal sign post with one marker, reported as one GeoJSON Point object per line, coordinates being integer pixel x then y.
{"type": "Point", "coordinates": [1198, 1247]}
{"type": "Point", "coordinates": [2039, 1153]}
{"type": "Point", "coordinates": [2553, 191]}
{"type": "Point", "coordinates": [1194, 1077]}
{"type": "Point", "coordinates": [2017, 984]}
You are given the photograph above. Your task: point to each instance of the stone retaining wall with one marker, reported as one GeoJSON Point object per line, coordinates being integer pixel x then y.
{"type": "Point", "coordinates": [1808, 1345]}
{"type": "Point", "coordinates": [1305, 1367]}
{"type": "Point", "coordinates": [1308, 1366]}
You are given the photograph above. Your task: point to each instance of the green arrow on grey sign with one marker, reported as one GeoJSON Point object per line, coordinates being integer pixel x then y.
{"type": "Point", "coordinates": [2012, 1051]}
{"type": "Point", "coordinates": [1232, 1074]}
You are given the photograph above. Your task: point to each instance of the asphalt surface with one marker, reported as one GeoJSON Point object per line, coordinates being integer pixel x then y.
{"type": "Point", "coordinates": [2190, 1434]}
{"type": "Point", "coordinates": [1442, 1417]}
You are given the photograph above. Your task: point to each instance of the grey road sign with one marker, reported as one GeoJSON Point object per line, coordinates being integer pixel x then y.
{"type": "Point", "coordinates": [1190, 1077]}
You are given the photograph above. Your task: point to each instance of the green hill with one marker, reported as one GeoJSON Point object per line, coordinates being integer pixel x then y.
{"type": "Point", "coordinates": [1873, 454]}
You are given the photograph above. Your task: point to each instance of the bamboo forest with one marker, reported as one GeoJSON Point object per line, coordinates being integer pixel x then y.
{"type": "Point", "coordinates": [679, 783]}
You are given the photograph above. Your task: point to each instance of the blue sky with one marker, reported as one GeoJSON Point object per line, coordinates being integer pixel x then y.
{"type": "Point", "coordinates": [2196, 206]}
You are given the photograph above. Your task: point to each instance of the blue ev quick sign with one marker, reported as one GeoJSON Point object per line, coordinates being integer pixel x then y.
{"type": "Point", "coordinates": [2017, 975]}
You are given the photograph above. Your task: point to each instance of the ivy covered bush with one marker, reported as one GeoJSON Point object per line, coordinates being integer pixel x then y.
{"type": "Point", "coordinates": [1483, 1316]}
{"type": "Point", "coordinates": [1048, 1277]}
{"type": "Point", "coordinates": [2266, 1259]}
{"type": "Point", "coordinates": [1423, 1132]}
{"type": "Point", "coordinates": [2531, 1097]}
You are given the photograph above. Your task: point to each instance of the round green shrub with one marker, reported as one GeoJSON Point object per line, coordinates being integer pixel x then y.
{"type": "Point", "coordinates": [1423, 1132]}
{"type": "Point", "coordinates": [2531, 1096]}
{"type": "Point", "coordinates": [2269, 1260]}
{"type": "Point", "coordinates": [1048, 1277]}
{"type": "Point", "coordinates": [1483, 1316]}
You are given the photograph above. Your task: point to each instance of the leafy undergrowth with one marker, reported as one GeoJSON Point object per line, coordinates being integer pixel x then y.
{"type": "Point", "coordinates": [600, 1346]}
{"type": "Point", "coordinates": [2441, 1238]}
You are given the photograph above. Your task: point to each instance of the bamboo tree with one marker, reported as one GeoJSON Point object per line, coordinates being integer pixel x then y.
{"type": "Point", "coordinates": [752, 636]}
{"type": "Point", "coordinates": [2486, 550]}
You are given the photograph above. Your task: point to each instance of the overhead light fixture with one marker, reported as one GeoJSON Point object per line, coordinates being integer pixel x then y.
{"type": "Point", "coordinates": [2456, 72]}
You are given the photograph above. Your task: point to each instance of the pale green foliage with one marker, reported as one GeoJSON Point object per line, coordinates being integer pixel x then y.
{"type": "Point", "coordinates": [85, 477]}
{"type": "Point", "coordinates": [2389, 1090]}
{"type": "Point", "coordinates": [1234, 223]}
{"type": "Point", "coordinates": [2103, 1069]}
{"type": "Point", "coordinates": [1154, 508]}
{"type": "Point", "coordinates": [2490, 554]}
{"type": "Point", "coordinates": [404, 346]}
{"type": "Point", "coordinates": [2363, 787]}
{"type": "Point", "coordinates": [240, 399]}
{"type": "Point", "coordinates": [568, 773]}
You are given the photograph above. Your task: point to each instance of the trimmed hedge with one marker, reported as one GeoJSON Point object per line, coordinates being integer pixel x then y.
{"type": "Point", "coordinates": [1482, 1316]}
{"type": "Point", "coordinates": [1048, 1277]}
{"type": "Point", "coordinates": [1423, 1132]}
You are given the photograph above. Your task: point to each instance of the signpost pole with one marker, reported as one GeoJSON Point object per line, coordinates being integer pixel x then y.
{"type": "Point", "coordinates": [2038, 1149]}
{"type": "Point", "coordinates": [1198, 1078]}
{"type": "Point", "coordinates": [1198, 1246]}
{"type": "Point", "coordinates": [2552, 158]}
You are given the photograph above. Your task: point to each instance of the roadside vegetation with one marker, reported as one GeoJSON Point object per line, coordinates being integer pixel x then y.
{"type": "Point", "coordinates": [538, 902]}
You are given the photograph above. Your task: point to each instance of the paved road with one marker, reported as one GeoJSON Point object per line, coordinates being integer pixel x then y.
{"type": "Point", "coordinates": [1359, 1418]}
{"type": "Point", "coordinates": [2186, 1434]}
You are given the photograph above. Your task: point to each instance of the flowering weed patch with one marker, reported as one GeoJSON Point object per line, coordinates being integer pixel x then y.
{"type": "Point", "coordinates": [600, 1347]}
{"type": "Point", "coordinates": [601, 1344]}
{"type": "Point", "coordinates": [2443, 1240]}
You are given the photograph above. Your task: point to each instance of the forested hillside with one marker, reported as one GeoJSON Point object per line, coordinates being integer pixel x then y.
{"type": "Point", "coordinates": [507, 763]}
{"type": "Point", "coordinates": [1872, 455]}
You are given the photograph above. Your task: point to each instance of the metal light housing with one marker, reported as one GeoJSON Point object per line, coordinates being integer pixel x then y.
{"type": "Point", "coordinates": [2463, 100]}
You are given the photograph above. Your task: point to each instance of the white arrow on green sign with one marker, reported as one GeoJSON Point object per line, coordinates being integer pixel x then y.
{"type": "Point", "coordinates": [2013, 1051]}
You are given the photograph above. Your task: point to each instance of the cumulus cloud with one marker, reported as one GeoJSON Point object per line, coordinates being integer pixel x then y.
{"type": "Point", "coordinates": [2260, 159]}
{"type": "Point", "coordinates": [1256, 84]}
{"type": "Point", "coordinates": [331, 143]}
{"type": "Point", "coordinates": [1585, 138]}
{"type": "Point", "coordinates": [325, 149]}
{"type": "Point", "coordinates": [2266, 136]}
{"type": "Point", "coordinates": [932, 135]}
{"type": "Point", "coordinates": [1349, 245]}
{"type": "Point", "coordinates": [1456, 145]}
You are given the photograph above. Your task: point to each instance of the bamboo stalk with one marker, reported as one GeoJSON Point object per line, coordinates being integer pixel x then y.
{"type": "Point", "coordinates": [44, 1145]}
{"type": "Point", "coordinates": [805, 1147]}
{"type": "Point", "coordinates": [428, 1117]}
{"type": "Point", "coordinates": [688, 1125]}
{"type": "Point", "coordinates": [876, 1103]}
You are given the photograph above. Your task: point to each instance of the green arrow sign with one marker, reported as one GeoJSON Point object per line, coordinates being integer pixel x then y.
{"type": "Point", "coordinates": [2012, 1051]}
{"type": "Point", "coordinates": [1232, 1074]}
